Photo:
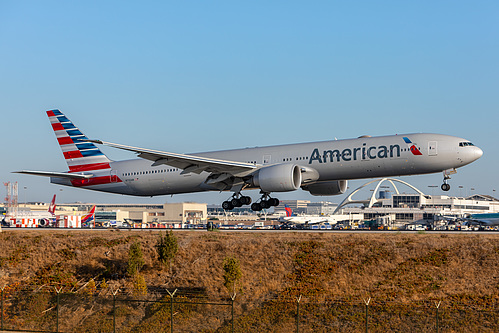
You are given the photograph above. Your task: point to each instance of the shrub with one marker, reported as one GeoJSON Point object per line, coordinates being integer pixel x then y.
{"type": "Point", "coordinates": [139, 285]}
{"type": "Point", "coordinates": [166, 248]}
{"type": "Point", "coordinates": [91, 287]}
{"type": "Point", "coordinates": [135, 259]}
{"type": "Point", "coordinates": [104, 284]}
{"type": "Point", "coordinates": [232, 273]}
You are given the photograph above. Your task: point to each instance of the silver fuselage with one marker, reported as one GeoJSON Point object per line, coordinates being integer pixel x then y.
{"type": "Point", "coordinates": [365, 157]}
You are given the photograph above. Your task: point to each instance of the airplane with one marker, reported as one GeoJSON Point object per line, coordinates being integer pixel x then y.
{"type": "Point", "coordinates": [45, 218]}
{"type": "Point", "coordinates": [485, 219]}
{"type": "Point", "coordinates": [321, 168]}
{"type": "Point", "coordinates": [302, 219]}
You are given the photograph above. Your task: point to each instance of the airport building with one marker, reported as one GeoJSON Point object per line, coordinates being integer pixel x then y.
{"type": "Point", "coordinates": [298, 206]}
{"type": "Point", "coordinates": [167, 215]}
{"type": "Point", "coordinates": [402, 210]}
{"type": "Point", "coordinates": [388, 208]}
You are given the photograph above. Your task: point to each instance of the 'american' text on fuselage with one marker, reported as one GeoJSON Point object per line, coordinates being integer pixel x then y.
{"type": "Point", "coordinates": [348, 154]}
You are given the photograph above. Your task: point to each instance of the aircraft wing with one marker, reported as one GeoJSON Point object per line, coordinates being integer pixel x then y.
{"type": "Point", "coordinates": [189, 163]}
{"type": "Point", "coordinates": [55, 174]}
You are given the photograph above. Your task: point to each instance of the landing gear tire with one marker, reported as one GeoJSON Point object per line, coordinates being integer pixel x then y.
{"type": "Point", "coordinates": [256, 207]}
{"type": "Point", "coordinates": [265, 204]}
{"type": "Point", "coordinates": [245, 200]}
{"type": "Point", "coordinates": [227, 205]}
{"type": "Point", "coordinates": [445, 187]}
{"type": "Point", "coordinates": [274, 202]}
{"type": "Point", "coordinates": [236, 202]}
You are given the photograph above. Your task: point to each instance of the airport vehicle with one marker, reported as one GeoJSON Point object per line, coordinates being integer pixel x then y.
{"type": "Point", "coordinates": [292, 218]}
{"type": "Point", "coordinates": [321, 168]}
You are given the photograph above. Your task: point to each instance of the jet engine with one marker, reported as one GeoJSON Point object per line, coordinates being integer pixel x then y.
{"type": "Point", "coordinates": [327, 188]}
{"type": "Point", "coordinates": [278, 178]}
{"type": "Point", "coordinates": [44, 222]}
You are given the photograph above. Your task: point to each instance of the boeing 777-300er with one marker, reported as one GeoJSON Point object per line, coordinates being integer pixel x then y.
{"type": "Point", "coordinates": [321, 168]}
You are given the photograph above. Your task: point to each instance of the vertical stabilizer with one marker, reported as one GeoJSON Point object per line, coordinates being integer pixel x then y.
{"type": "Point", "coordinates": [52, 206]}
{"type": "Point", "coordinates": [89, 217]}
{"type": "Point", "coordinates": [80, 155]}
{"type": "Point", "coordinates": [289, 211]}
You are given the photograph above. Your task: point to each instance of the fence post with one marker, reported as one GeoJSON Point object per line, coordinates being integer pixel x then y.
{"type": "Point", "coordinates": [171, 308]}
{"type": "Point", "coordinates": [367, 312]}
{"type": "Point", "coordinates": [58, 291]}
{"type": "Point", "coordinates": [298, 299]}
{"type": "Point", "coordinates": [1, 325]}
{"type": "Point", "coordinates": [437, 305]}
{"type": "Point", "coordinates": [114, 310]}
{"type": "Point", "coordinates": [233, 297]}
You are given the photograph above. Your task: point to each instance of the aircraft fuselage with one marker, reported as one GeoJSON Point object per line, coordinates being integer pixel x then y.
{"type": "Point", "coordinates": [365, 157]}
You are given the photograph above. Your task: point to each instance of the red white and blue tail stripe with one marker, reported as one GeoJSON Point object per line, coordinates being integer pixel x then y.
{"type": "Point", "coordinates": [80, 155]}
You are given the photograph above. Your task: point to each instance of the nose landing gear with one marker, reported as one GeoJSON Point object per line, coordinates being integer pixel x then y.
{"type": "Point", "coordinates": [445, 187]}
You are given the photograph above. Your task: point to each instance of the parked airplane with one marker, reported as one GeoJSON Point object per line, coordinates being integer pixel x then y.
{"type": "Point", "coordinates": [486, 219]}
{"type": "Point", "coordinates": [45, 218]}
{"type": "Point", "coordinates": [292, 218]}
{"type": "Point", "coordinates": [321, 168]}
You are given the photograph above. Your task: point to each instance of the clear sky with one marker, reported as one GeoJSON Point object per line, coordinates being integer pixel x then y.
{"type": "Point", "coordinates": [192, 76]}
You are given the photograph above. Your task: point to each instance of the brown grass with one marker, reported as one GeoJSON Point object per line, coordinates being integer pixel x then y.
{"type": "Point", "coordinates": [397, 268]}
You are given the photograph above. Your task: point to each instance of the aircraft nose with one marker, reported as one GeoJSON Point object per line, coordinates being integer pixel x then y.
{"type": "Point", "coordinates": [478, 153]}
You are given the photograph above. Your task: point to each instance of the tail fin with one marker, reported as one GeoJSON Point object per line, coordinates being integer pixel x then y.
{"type": "Point", "coordinates": [52, 206]}
{"type": "Point", "coordinates": [90, 216]}
{"type": "Point", "coordinates": [289, 211]}
{"type": "Point", "coordinates": [80, 155]}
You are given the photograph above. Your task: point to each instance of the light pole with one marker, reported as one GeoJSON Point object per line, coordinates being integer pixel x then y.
{"type": "Point", "coordinates": [432, 191]}
{"type": "Point", "coordinates": [433, 203]}
{"type": "Point", "coordinates": [25, 188]}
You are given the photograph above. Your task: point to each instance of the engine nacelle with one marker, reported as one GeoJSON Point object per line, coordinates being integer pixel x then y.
{"type": "Point", "coordinates": [44, 222]}
{"type": "Point", "coordinates": [278, 178]}
{"type": "Point", "coordinates": [327, 188]}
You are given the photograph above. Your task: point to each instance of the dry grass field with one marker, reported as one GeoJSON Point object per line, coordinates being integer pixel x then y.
{"type": "Point", "coordinates": [403, 274]}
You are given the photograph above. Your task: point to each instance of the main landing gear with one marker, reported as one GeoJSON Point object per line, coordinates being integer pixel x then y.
{"type": "Point", "coordinates": [265, 202]}
{"type": "Point", "coordinates": [238, 200]}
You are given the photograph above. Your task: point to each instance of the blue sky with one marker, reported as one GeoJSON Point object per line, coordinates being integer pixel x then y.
{"type": "Point", "coordinates": [197, 76]}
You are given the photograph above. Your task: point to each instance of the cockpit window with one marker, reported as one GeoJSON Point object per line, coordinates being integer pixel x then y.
{"type": "Point", "coordinates": [465, 144]}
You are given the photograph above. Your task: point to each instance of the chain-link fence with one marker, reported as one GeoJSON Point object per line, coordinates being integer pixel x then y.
{"type": "Point", "coordinates": [55, 311]}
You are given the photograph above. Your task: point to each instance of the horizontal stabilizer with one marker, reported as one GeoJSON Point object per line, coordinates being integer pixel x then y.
{"type": "Point", "coordinates": [55, 174]}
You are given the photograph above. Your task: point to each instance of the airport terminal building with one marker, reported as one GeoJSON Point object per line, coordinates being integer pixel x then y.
{"type": "Point", "coordinates": [389, 209]}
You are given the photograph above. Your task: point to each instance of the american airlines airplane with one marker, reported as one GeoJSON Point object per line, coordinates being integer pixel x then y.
{"type": "Point", "coordinates": [321, 168]}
